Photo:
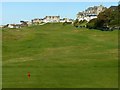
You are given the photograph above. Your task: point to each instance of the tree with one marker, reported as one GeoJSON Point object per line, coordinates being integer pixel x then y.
{"type": "Point", "coordinates": [107, 19]}
{"type": "Point", "coordinates": [92, 23]}
{"type": "Point", "coordinates": [76, 22]}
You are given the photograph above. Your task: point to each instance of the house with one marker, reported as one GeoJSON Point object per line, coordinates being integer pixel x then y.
{"type": "Point", "coordinates": [113, 8]}
{"type": "Point", "coordinates": [87, 17]}
{"type": "Point", "coordinates": [24, 23]}
{"type": "Point", "coordinates": [29, 23]}
{"type": "Point", "coordinates": [70, 20]}
{"type": "Point", "coordinates": [66, 20]}
{"type": "Point", "coordinates": [17, 25]}
{"type": "Point", "coordinates": [11, 25]}
{"type": "Point", "coordinates": [90, 13]}
{"type": "Point", "coordinates": [2, 26]}
{"type": "Point", "coordinates": [37, 21]}
{"type": "Point", "coordinates": [14, 25]}
{"type": "Point", "coordinates": [52, 19]}
{"type": "Point", "coordinates": [62, 20]}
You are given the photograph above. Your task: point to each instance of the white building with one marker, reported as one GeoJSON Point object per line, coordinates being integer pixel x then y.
{"type": "Point", "coordinates": [62, 20]}
{"type": "Point", "coordinates": [14, 26]}
{"type": "Point", "coordinates": [66, 20]}
{"type": "Point", "coordinates": [11, 25]}
{"type": "Point", "coordinates": [90, 13]}
{"type": "Point", "coordinates": [2, 26]}
{"type": "Point", "coordinates": [29, 23]}
{"type": "Point", "coordinates": [51, 19]}
{"type": "Point", "coordinates": [87, 17]}
{"type": "Point", "coordinates": [36, 21]}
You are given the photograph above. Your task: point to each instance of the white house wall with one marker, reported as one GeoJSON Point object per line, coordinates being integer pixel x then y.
{"type": "Point", "coordinates": [10, 26]}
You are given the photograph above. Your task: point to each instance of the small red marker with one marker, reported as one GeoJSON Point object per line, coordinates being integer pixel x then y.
{"type": "Point", "coordinates": [28, 74]}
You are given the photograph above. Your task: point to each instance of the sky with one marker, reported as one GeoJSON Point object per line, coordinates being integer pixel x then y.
{"type": "Point", "coordinates": [14, 12]}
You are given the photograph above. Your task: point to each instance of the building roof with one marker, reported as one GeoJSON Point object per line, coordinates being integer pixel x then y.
{"type": "Point", "coordinates": [113, 7]}
{"type": "Point", "coordinates": [90, 11]}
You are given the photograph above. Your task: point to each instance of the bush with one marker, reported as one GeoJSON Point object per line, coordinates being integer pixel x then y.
{"type": "Point", "coordinates": [81, 23]}
{"type": "Point", "coordinates": [76, 23]}
{"type": "Point", "coordinates": [92, 24]}
{"type": "Point", "coordinates": [67, 23]}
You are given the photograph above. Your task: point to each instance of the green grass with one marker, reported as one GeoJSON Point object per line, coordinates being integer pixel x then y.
{"type": "Point", "coordinates": [59, 56]}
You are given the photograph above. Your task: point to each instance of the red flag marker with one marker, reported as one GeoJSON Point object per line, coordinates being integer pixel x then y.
{"type": "Point", "coordinates": [28, 74]}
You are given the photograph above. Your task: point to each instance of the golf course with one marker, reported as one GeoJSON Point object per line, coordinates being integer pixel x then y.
{"type": "Point", "coordinates": [59, 56]}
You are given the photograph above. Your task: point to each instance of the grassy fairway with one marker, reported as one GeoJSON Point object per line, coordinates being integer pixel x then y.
{"type": "Point", "coordinates": [59, 57]}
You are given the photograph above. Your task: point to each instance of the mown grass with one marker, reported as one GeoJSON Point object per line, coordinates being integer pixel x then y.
{"type": "Point", "coordinates": [59, 56]}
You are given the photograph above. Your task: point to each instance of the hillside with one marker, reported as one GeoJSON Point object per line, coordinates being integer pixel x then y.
{"type": "Point", "coordinates": [59, 56]}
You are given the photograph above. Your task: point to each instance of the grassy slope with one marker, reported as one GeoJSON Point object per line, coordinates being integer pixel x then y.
{"type": "Point", "coordinates": [59, 56]}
